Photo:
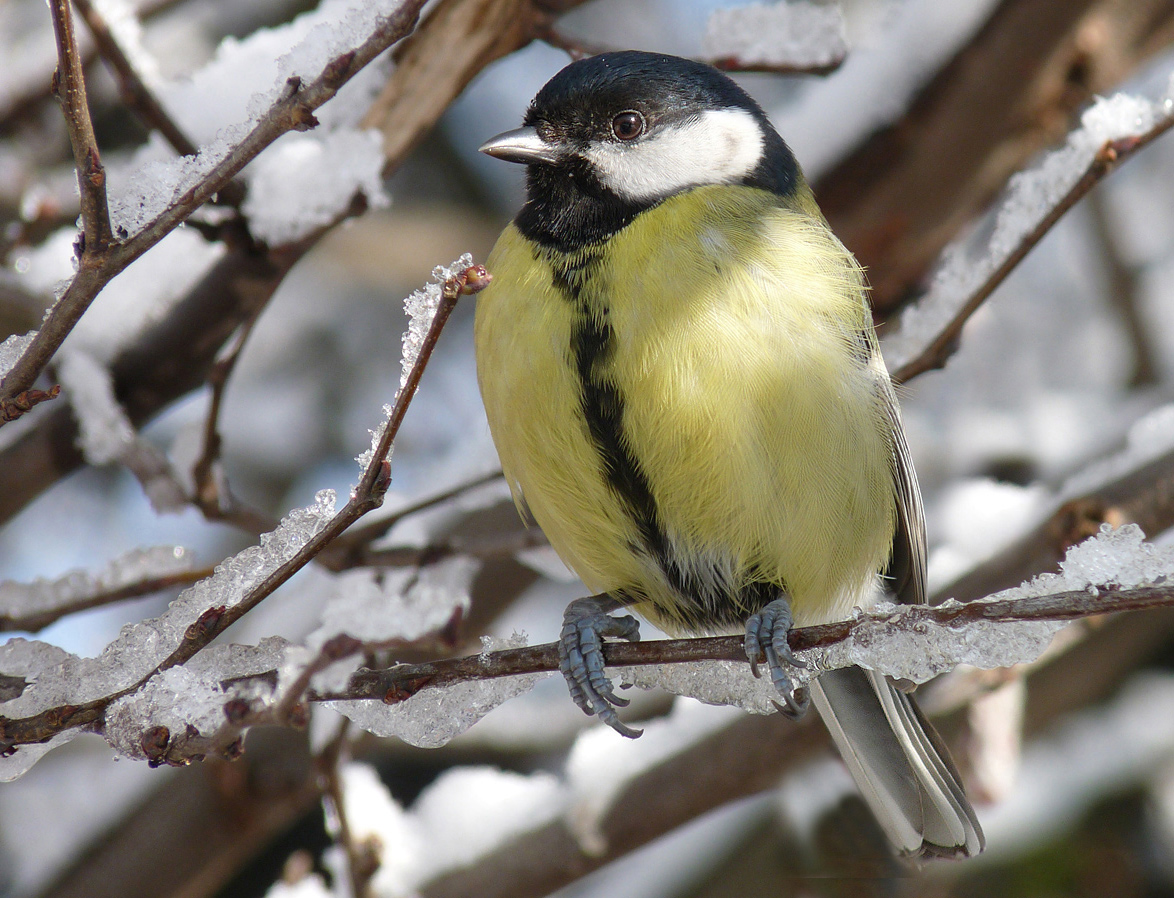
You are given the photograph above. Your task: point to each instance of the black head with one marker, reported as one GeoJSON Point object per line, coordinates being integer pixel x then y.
{"type": "Point", "coordinates": [611, 136]}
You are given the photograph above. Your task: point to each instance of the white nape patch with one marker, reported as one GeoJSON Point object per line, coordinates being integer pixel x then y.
{"type": "Point", "coordinates": [720, 146]}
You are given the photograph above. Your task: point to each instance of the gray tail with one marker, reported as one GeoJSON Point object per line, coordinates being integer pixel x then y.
{"type": "Point", "coordinates": [899, 763]}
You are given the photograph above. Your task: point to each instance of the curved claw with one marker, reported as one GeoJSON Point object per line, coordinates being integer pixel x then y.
{"type": "Point", "coordinates": [580, 650]}
{"type": "Point", "coordinates": [766, 636]}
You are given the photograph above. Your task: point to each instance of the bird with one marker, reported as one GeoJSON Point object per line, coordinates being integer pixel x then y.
{"type": "Point", "coordinates": [680, 374]}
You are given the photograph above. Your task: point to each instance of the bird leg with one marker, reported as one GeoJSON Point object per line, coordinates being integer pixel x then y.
{"type": "Point", "coordinates": [766, 634]}
{"type": "Point", "coordinates": [586, 623]}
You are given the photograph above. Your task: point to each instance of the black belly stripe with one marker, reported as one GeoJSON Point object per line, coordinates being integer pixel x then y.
{"type": "Point", "coordinates": [602, 404]}
{"type": "Point", "coordinates": [592, 346]}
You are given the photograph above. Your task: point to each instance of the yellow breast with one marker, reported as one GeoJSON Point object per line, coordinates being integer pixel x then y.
{"type": "Point", "coordinates": [734, 336]}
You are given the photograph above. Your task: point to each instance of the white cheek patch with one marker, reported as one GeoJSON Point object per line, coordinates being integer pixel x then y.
{"type": "Point", "coordinates": [720, 146]}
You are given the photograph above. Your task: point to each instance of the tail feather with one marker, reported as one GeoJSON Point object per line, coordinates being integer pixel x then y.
{"type": "Point", "coordinates": [909, 781]}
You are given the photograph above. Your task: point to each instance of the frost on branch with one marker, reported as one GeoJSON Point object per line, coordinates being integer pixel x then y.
{"type": "Point", "coordinates": [43, 597]}
{"type": "Point", "coordinates": [220, 104]}
{"type": "Point", "coordinates": [800, 35]}
{"type": "Point", "coordinates": [900, 642]}
{"type": "Point", "coordinates": [58, 679]}
{"type": "Point", "coordinates": [421, 308]}
{"type": "Point", "coordinates": [373, 609]}
{"type": "Point", "coordinates": [1031, 195]}
{"type": "Point", "coordinates": [434, 717]}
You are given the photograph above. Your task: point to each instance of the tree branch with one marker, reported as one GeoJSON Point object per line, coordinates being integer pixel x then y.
{"type": "Point", "coordinates": [134, 91]}
{"type": "Point", "coordinates": [367, 495]}
{"type": "Point", "coordinates": [70, 84]}
{"type": "Point", "coordinates": [1106, 160]}
{"type": "Point", "coordinates": [401, 682]}
{"type": "Point", "coordinates": [294, 111]}
{"type": "Point", "coordinates": [1011, 91]}
{"type": "Point", "coordinates": [32, 621]}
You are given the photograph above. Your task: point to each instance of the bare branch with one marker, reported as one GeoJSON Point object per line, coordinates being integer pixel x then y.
{"type": "Point", "coordinates": [11, 409]}
{"type": "Point", "coordinates": [352, 545]}
{"type": "Point", "coordinates": [70, 85]}
{"type": "Point", "coordinates": [212, 494]}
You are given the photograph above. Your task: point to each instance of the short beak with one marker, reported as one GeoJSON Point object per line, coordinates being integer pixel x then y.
{"type": "Point", "coordinates": [521, 145]}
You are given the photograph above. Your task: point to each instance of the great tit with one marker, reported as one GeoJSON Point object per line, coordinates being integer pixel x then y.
{"type": "Point", "coordinates": [683, 383]}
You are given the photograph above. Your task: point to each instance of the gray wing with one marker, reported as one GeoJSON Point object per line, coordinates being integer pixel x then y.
{"type": "Point", "coordinates": [906, 570]}
{"type": "Point", "coordinates": [897, 759]}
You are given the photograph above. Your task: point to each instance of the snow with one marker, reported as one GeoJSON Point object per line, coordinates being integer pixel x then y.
{"type": "Point", "coordinates": [220, 104]}
{"type": "Point", "coordinates": [421, 307]}
{"type": "Point", "coordinates": [434, 717]}
{"type": "Point", "coordinates": [890, 62]}
{"type": "Point", "coordinates": [1082, 759]}
{"type": "Point", "coordinates": [463, 815]}
{"type": "Point", "coordinates": [1030, 196]}
{"type": "Point", "coordinates": [1150, 437]}
{"type": "Point", "coordinates": [12, 349]}
{"type": "Point", "coordinates": [189, 699]}
{"type": "Point", "coordinates": [798, 33]}
{"type": "Point", "coordinates": [312, 886]}
{"type": "Point", "coordinates": [47, 595]}
{"type": "Point", "coordinates": [105, 433]}
{"type": "Point", "coordinates": [470, 811]}
{"type": "Point", "coordinates": [62, 678]}
{"type": "Point", "coordinates": [306, 181]}
{"type": "Point", "coordinates": [383, 608]}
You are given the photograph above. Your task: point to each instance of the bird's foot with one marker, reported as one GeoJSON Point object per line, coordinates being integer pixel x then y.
{"type": "Point", "coordinates": [586, 623]}
{"type": "Point", "coordinates": [766, 635]}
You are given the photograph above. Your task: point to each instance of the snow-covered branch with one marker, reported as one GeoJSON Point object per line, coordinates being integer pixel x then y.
{"type": "Point", "coordinates": [142, 673]}
{"type": "Point", "coordinates": [292, 109]}
{"type": "Point", "coordinates": [1113, 572]}
{"type": "Point", "coordinates": [1111, 132]}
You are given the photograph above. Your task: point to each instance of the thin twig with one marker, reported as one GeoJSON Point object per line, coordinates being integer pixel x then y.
{"type": "Point", "coordinates": [70, 86]}
{"type": "Point", "coordinates": [347, 549]}
{"type": "Point", "coordinates": [367, 495]}
{"type": "Point", "coordinates": [294, 111]}
{"type": "Point", "coordinates": [484, 546]}
{"type": "Point", "coordinates": [140, 99]}
{"type": "Point", "coordinates": [402, 681]}
{"type": "Point", "coordinates": [212, 496]}
{"type": "Point", "coordinates": [11, 409]}
{"type": "Point", "coordinates": [1107, 159]}
{"type": "Point", "coordinates": [362, 857]}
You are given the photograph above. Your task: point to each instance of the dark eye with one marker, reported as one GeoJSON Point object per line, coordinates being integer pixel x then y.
{"type": "Point", "coordinates": [627, 125]}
